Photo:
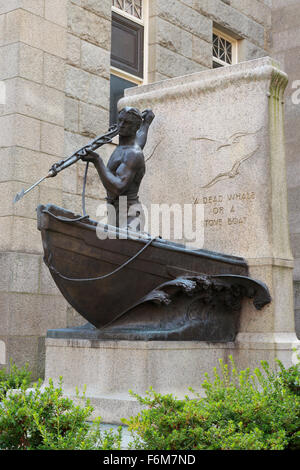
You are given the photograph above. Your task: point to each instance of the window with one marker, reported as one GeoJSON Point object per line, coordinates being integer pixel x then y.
{"type": "Point", "coordinates": [132, 7]}
{"type": "Point", "coordinates": [128, 49]}
{"type": "Point", "coordinates": [224, 49]}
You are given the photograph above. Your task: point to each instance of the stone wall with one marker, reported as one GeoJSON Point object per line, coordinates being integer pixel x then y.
{"type": "Point", "coordinates": [32, 58]}
{"type": "Point", "coordinates": [286, 48]}
{"type": "Point", "coordinates": [180, 33]}
{"type": "Point", "coordinates": [86, 93]}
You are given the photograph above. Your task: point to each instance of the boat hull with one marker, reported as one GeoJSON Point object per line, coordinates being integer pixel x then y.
{"type": "Point", "coordinates": [75, 254]}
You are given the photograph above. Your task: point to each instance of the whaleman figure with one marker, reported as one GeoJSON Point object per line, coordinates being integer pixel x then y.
{"type": "Point", "coordinates": [126, 167]}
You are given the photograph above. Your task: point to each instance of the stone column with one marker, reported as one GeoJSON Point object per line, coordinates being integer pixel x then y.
{"type": "Point", "coordinates": [218, 140]}
{"type": "Point", "coordinates": [32, 55]}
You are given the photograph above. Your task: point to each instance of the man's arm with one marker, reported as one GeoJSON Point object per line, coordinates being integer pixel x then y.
{"type": "Point", "coordinates": [115, 184]}
{"type": "Point", "coordinates": [142, 133]}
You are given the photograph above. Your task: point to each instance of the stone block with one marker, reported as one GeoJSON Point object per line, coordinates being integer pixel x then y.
{"type": "Point", "coordinates": [74, 142]}
{"type": "Point", "coordinates": [9, 68]}
{"type": "Point", "coordinates": [73, 50]}
{"type": "Point", "coordinates": [24, 208]}
{"type": "Point", "coordinates": [56, 11]}
{"type": "Point", "coordinates": [77, 83]}
{"type": "Point", "coordinates": [30, 29]}
{"type": "Point", "coordinates": [294, 209]}
{"type": "Point", "coordinates": [34, 6]}
{"type": "Point", "coordinates": [31, 63]}
{"type": "Point", "coordinates": [93, 120]}
{"type": "Point", "coordinates": [99, 92]}
{"type": "Point", "coordinates": [278, 4]}
{"type": "Point", "coordinates": [3, 355]}
{"type": "Point", "coordinates": [69, 180]}
{"type": "Point", "coordinates": [254, 9]}
{"type": "Point", "coordinates": [156, 77]}
{"type": "Point", "coordinates": [27, 349]}
{"type": "Point", "coordinates": [20, 272]}
{"type": "Point", "coordinates": [202, 52]}
{"type": "Point", "coordinates": [297, 267]}
{"type": "Point", "coordinates": [102, 8]}
{"type": "Point", "coordinates": [50, 195]}
{"type": "Point", "coordinates": [6, 229]}
{"type": "Point", "coordinates": [89, 27]}
{"type": "Point", "coordinates": [7, 164]}
{"type": "Point", "coordinates": [249, 51]}
{"type": "Point", "coordinates": [165, 34]}
{"type": "Point", "coordinates": [53, 106]}
{"type": "Point", "coordinates": [95, 59]}
{"type": "Point", "coordinates": [167, 367]}
{"type": "Point", "coordinates": [94, 187]}
{"type": "Point", "coordinates": [295, 242]}
{"type": "Point", "coordinates": [20, 130]}
{"type": "Point", "coordinates": [26, 166]}
{"type": "Point", "coordinates": [5, 316]}
{"type": "Point", "coordinates": [170, 64]}
{"type": "Point", "coordinates": [52, 139]}
{"type": "Point", "coordinates": [47, 285]}
{"type": "Point", "coordinates": [286, 18]}
{"type": "Point", "coordinates": [282, 40]}
{"type": "Point", "coordinates": [36, 314]}
{"type": "Point", "coordinates": [73, 318]}
{"type": "Point", "coordinates": [232, 19]}
{"type": "Point", "coordinates": [34, 100]}
{"type": "Point", "coordinates": [71, 114]}
{"type": "Point", "coordinates": [54, 72]}
{"type": "Point", "coordinates": [25, 238]}
{"type": "Point", "coordinates": [73, 202]}
{"type": "Point", "coordinates": [181, 15]}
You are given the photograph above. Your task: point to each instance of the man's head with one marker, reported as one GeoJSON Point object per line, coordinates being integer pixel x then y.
{"type": "Point", "coordinates": [129, 121]}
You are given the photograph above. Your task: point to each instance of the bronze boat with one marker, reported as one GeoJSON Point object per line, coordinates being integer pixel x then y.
{"type": "Point", "coordinates": [162, 293]}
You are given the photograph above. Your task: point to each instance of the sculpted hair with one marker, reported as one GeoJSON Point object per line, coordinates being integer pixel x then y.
{"type": "Point", "coordinates": [134, 112]}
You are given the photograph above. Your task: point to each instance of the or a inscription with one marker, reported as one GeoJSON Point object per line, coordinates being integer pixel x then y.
{"type": "Point", "coordinates": [223, 214]}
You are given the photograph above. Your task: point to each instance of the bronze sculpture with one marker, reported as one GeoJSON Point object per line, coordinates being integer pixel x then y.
{"type": "Point", "coordinates": [139, 288]}
{"type": "Point", "coordinates": [126, 167]}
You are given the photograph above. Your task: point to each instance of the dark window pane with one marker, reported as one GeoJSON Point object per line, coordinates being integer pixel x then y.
{"type": "Point", "coordinates": [127, 45]}
{"type": "Point", "coordinates": [117, 87]}
{"type": "Point", "coordinates": [216, 65]}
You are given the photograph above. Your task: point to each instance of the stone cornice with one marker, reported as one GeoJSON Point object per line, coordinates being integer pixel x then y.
{"type": "Point", "coordinates": [210, 80]}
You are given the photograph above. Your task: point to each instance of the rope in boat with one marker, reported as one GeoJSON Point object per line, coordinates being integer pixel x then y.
{"type": "Point", "coordinates": [85, 215]}
{"type": "Point", "coordinates": [65, 219]}
{"type": "Point", "coordinates": [55, 271]}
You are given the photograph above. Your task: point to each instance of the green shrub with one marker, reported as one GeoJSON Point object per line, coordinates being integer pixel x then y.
{"type": "Point", "coordinates": [239, 412]}
{"type": "Point", "coordinates": [36, 419]}
{"type": "Point", "coordinates": [14, 377]}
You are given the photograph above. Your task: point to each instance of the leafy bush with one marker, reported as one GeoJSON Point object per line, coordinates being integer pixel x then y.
{"type": "Point", "coordinates": [32, 419]}
{"type": "Point", "coordinates": [14, 378]}
{"type": "Point", "coordinates": [239, 412]}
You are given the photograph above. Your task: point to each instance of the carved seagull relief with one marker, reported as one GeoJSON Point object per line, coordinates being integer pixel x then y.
{"type": "Point", "coordinates": [232, 173]}
{"type": "Point", "coordinates": [153, 151]}
{"type": "Point", "coordinates": [217, 145]}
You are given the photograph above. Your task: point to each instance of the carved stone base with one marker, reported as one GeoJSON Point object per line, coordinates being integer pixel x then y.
{"type": "Point", "coordinates": [110, 369]}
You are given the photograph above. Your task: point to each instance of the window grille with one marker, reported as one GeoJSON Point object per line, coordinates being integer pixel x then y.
{"type": "Point", "coordinates": [131, 7]}
{"type": "Point", "coordinates": [224, 50]}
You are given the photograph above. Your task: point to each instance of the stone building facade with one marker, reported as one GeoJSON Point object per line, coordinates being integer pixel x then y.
{"type": "Point", "coordinates": [56, 69]}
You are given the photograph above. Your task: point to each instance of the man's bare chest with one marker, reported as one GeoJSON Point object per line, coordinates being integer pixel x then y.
{"type": "Point", "coordinates": [117, 158]}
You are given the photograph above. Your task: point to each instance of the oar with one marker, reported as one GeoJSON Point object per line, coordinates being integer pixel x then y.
{"type": "Point", "coordinates": [22, 193]}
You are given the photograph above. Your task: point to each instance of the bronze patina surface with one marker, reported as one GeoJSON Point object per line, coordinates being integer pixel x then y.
{"type": "Point", "coordinates": [168, 292]}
